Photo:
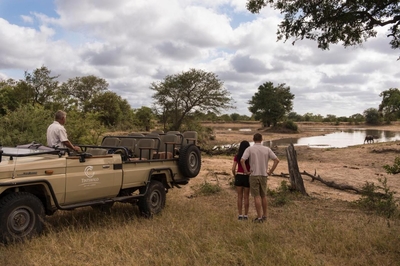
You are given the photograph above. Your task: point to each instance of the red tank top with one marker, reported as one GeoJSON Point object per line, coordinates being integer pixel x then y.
{"type": "Point", "coordinates": [240, 168]}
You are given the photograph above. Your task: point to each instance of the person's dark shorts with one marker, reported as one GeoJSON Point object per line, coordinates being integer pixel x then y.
{"type": "Point", "coordinates": [242, 180]}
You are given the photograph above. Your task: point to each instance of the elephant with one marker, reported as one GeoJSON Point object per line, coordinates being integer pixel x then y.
{"type": "Point", "coordinates": [369, 139]}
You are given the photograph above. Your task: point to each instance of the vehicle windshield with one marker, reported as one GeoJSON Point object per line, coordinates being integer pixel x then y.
{"type": "Point", "coordinates": [21, 152]}
{"type": "Point", "coordinates": [16, 151]}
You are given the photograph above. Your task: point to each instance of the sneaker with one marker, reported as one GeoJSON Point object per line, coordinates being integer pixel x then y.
{"type": "Point", "coordinates": [264, 218]}
{"type": "Point", "coordinates": [240, 217]}
{"type": "Point", "coordinates": [245, 218]}
{"type": "Point", "coordinates": [258, 220]}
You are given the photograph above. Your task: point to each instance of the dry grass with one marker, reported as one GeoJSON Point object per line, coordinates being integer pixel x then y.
{"type": "Point", "coordinates": [203, 230]}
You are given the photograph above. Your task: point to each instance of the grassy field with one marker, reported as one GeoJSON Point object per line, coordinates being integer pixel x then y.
{"type": "Point", "coordinates": [203, 230]}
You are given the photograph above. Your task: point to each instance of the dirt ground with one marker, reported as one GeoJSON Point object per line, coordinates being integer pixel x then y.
{"type": "Point", "coordinates": [353, 166]}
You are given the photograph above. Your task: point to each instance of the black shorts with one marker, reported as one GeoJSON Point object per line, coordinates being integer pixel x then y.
{"type": "Point", "coordinates": [242, 180]}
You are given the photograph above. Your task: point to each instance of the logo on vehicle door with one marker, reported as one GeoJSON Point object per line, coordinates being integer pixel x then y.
{"type": "Point", "coordinates": [90, 181]}
{"type": "Point", "coordinates": [89, 171]}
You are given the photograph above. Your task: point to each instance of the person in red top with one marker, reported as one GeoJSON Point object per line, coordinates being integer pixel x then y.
{"type": "Point", "coordinates": [241, 181]}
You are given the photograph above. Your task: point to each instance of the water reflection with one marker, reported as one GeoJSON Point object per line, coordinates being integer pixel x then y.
{"type": "Point", "coordinates": [339, 139]}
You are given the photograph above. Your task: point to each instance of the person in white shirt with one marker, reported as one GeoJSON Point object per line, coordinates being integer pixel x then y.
{"type": "Point", "coordinates": [57, 134]}
{"type": "Point", "coordinates": [259, 156]}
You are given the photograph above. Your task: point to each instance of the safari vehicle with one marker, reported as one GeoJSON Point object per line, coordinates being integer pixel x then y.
{"type": "Point", "coordinates": [35, 180]}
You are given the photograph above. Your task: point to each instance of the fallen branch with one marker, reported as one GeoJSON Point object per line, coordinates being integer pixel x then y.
{"type": "Point", "coordinates": [331, 184]}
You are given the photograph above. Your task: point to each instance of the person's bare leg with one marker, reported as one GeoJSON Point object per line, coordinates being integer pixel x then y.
{"type": "Point", "coordinates": [264, 205]}
{"type": "Point", "coordinates": [246, 200]}
{"type": "Point", "coordinates": [257, 203]}
{"type": "Point", "coordinates": [239, 199]}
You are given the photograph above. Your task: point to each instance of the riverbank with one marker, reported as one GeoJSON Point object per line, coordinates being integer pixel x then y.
{"type": "Point", "coordinates": [236, 132]}
{"type": "Point", "coordinates": [353, 166]}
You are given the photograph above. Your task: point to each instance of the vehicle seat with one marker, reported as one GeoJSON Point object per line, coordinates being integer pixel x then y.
{"type": "Point", "coordinates": [110, 141]}
{"type": "Point", "coordinates": [129, 144]}
{"type": "Point", "coordinates": [144, 148]}
{"type": "Point", "coordinates": [189, 137]}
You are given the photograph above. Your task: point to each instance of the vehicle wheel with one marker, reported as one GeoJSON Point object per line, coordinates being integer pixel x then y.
{"type": "Point", "coordinates": [21, 216]}
{"type": "Point", "coordinates": [103, 208]}
{"type": "Point", "coordinates": [154, 199]}
{"type": "Point", "coordinates": [189, 160]}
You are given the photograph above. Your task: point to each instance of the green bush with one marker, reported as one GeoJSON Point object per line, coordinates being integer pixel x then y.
{"type": "Point", "coordinates": [290, 125]}
{"type": "Point", "coordinates": [280, 196]}
{"type": "Point", "coordinates": [393, 169]}
{"type": "Point", "coordinates": [26, 124]}
{"type": "Point", "coordinates": [29, 123]}
{"type": "Point", "coordinates": [379, 199]}
{"type": "Point", "coordinates": [84, 129]}
{"type": "Point", "coordinates": [286, 127]}
{"type": "Point", "coordinates": [207, 188]}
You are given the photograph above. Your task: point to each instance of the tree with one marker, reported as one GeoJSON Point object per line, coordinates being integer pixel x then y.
{"type": "Point", "coordinates": [84, 128]}
{"type": "Point", "coordinates": [112, 110]}
{"type": "Point", "coordinates": [41, 85]}
{"type": "Point", "coordinates": [181, 94]}
{"type": "Point", "coordinates": [329, 118]}
{"type": "Point", "coordinates": [293, 116]}
{"type": "Point", "coordinates": [8, 98]}
{"type": "Point", "coordinates": [372, 116]}
{"type": "Point", "coordinates": [144, 115]}
{"type": "Point", "coordinates": [357, 118]}
{"type": "Point", "coordinates": [82, 89]}
{"type": "Point", "coordinates": [390, 105]}
{"type": "Point", "coordinates": [235, 117]}
{"type": "Point", "coordinates": [270, 104]}
{"type": "Point", "coordinates": [332, 21]}
{"type": "Point", "coordinates": [211, 116]}
{"type": "Point", "coordinates": [225, 118]}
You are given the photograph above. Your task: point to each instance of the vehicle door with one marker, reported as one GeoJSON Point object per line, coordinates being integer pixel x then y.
{"type": "Point", "coordinates": [46, 169]}
{"type": "Point", "coordinates": [92, 178]}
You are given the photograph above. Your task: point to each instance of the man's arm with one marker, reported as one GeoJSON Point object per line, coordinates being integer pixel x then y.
{"type": "Point", "coordinates": [271, 171]}
{"type": "Point", "coordinates": [243, 163]}
{"type": "Point", "coordinates": [69, 145]}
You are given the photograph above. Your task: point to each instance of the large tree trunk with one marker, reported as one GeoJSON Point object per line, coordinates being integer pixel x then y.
{"type": "Point", "coordinates": [296, 181]}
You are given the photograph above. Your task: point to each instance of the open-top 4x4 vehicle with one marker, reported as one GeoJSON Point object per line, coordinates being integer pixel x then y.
{"type": "Point", "coordinates": [35, 180]}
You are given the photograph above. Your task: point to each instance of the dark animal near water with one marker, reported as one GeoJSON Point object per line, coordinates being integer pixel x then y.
{"type": "Point", "coordinates": [369, 139]}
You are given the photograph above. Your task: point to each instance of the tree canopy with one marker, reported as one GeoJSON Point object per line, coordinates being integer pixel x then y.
{"type": "Point", "coordinates": [372, 116]}
{"type": "Point", "coordinates": [81, 90]}
{"type": "Point", "coordinates": [144, 116]}
{"type": "Point", "coordinates": [179, 95]}
{"type": "Point", "coordinates": [270, 104]}
{"type": "Point", "coordinates": [91, 107]}
{"type": "Point", "coordinates": [390, 105]}
{"type": "Point", "coordinates": [332, 21]}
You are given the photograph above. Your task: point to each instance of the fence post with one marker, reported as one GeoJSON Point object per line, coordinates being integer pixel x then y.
{"type": "Point", "coordinates": [296, 181]}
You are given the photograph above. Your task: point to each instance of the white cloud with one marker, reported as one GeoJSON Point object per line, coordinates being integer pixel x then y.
{"type": "Point", "coordinates": [134, 43]}
{"type": "Point", "coordinates": [27, 19]}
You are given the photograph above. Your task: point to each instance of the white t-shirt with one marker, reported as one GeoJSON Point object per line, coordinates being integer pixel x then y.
{"type": "Point", "coordinates": [258, 156]}
{"type": "Point", "coordinates": [56, 134]}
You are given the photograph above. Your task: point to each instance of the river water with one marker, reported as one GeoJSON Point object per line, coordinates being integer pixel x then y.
{"type": "Point", "coordinates": [338, 139]}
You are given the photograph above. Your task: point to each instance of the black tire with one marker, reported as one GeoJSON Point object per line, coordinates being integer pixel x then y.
{"type": "Point", "coordinates": [21, 216]}
{"type": "Point", "coordinates": [154, 200]}
{"type": "Point", "coordinates": [189, 160]}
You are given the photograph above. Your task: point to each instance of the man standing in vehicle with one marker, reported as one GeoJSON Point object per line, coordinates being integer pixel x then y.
{"type": "Point", "coordinates": [57, 134]}
{"type": "Point", "coordinates": [259, 156]}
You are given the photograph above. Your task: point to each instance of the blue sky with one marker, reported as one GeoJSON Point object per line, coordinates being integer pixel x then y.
{"type": "Point", "coordinates": [12, 10]}
{"type": "Point", "coordinates": [134, 43]}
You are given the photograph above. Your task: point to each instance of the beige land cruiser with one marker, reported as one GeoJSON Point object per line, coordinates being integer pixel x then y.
{"type": "Point", "coordinates": [35, 180]}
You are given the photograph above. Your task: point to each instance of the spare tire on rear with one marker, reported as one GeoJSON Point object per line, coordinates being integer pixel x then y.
{"type": "Point", "coordinates": [189, 160]}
